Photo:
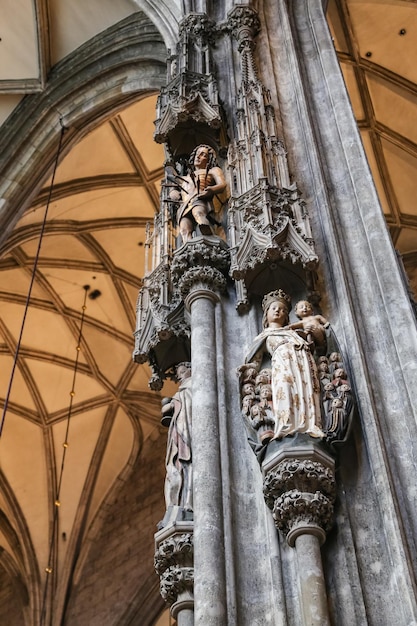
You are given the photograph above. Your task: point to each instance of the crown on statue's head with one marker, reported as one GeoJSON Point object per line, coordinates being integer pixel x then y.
{"type": "Point", "coordinates": [274, 296]}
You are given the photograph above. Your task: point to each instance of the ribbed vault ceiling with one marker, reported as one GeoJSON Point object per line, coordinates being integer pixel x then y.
{"type": "Point", "coordinates": [376, 45]}
{"type": "Point", "coordinates": [78, 409]}
{"type": "Point", "coordinates": [105, 190]}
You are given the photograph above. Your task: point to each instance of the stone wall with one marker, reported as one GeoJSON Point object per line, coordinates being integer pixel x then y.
{"type": "Point", "coordinates": [11, 609]}
{"type": "Point", "coordinates": [117, 583]}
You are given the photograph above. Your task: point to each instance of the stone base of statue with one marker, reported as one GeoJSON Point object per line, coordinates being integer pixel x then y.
{"type": "Point", "coordinates": [175, 514]}
{"type": "Point", "coordinates": [300, 488]}
{"type": "Point", "coordinates": [174, 562]}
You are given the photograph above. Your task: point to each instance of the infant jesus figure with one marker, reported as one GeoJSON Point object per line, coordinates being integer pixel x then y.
{"type": "Point", "coordinates": [313, 325]}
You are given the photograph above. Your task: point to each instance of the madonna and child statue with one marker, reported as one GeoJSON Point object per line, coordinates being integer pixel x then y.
{"type": "Point", "coordinates": [280, 386]}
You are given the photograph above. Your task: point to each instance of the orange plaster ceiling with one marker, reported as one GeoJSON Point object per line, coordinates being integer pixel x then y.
{"type": "Point", "coordinates": [95, 399]}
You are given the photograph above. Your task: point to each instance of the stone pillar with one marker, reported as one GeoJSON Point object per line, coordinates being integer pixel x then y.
{"type": "Point", "coordinates": [300, 488]}
{"type": "Point", "coordinates": [174, 564]}
{"type": "Point", "coordinates": [199, 279]}
{"type": "Point", "coordinates": [311, 579]}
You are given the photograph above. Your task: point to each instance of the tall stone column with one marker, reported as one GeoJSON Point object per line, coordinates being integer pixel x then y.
{"type": "Point", "coordinates": [361, 270]}
{"type": "Point", "coordinates": [200, 280]}
{"type": "Point", "coordinates": [300, 488]}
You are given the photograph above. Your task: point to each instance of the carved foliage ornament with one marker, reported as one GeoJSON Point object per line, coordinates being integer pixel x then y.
{"type": "Point", "coordinates": [199, 253]}
{"type": "Point", "coordinates": [294, 509]}
{"type": "Point", "coordinates": [176, 580]}
{"type": "Point", "coordinates": [301, 494]}
{"type": "Point", "coordinates": [174, 564]}
{"type": "Point", "coordinates": [199, 26]}
{"type": "Point", "coordinates": [301, 474]}
{"type": "Point", "coordinates": [201, 263]}
{"type": "Point", "coordinates": [202, 278]}
{"type": "Point", "coordinates": [244, 23]}
{"type": "Point", "coordinates": [175, 550]}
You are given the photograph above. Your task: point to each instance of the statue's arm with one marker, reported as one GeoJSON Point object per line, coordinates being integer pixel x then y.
{"type": "Point", "coordinates": [167, 407]}
{"type": "Point", "coordinates": [322, 320]}
{"type": "Point", "coordinates": [219, 184]}
{"type": "Point", "coordinates": [295, 325]}
{"type": "Point", "coordinates": [254, 360]}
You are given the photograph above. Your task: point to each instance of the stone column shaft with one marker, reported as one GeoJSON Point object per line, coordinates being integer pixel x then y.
{"type": "Point", "coordinates": [185, 617]}
{"type": "Point", "coordinates": [209, 581]}
{"type": "Point", "coordinates": [313, 597]}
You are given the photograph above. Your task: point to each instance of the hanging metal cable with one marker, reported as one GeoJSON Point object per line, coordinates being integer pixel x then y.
{"type": "Point", "coordinates": [57, 502]}
{"type": "Point", "coordinates": [48, 569]}
{"type": "Point", "coordinates": [32, 281]}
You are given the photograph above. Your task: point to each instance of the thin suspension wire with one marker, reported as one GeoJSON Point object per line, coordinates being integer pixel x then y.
{"type": "Point", "coordinates": [57, 501]}
{"type": "Point", "coordinates": [72, 392]}
{"type": "Point", "coordinates": [32, 280]}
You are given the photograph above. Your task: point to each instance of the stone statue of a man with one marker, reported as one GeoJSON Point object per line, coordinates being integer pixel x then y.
{"type": "Point", "coordinates": [196, 191]}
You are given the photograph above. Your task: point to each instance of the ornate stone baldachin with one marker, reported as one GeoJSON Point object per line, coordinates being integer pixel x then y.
{"type": "Point", "coordinates": [180, 330]}
{"type": "Point", "coordinates": [258, 256]}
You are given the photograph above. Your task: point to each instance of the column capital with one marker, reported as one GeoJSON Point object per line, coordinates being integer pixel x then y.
{"type": "Point", "coordinates": [199, 268]}
{"type": "Point", "coordinates": [201, 282]}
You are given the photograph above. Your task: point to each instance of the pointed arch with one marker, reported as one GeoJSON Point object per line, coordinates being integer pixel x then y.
{"type": "Point", "coordinates": [110, 71]}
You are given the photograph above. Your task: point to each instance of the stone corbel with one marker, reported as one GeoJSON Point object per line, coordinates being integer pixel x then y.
{"type": "Point", "coordinates": [174, 555]}
{"type": "Point", "coordinates": [300, 488]}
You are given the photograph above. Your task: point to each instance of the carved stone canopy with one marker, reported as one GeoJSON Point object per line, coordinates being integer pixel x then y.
{"type": "Point", "coordinates": [181, 113]}
{"type": "Point", "coordinates": [189, 103]}
{"type": "Point", "coordinates": [162, 336]}
{"type": "Point", "coordinates": [269, 224]}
